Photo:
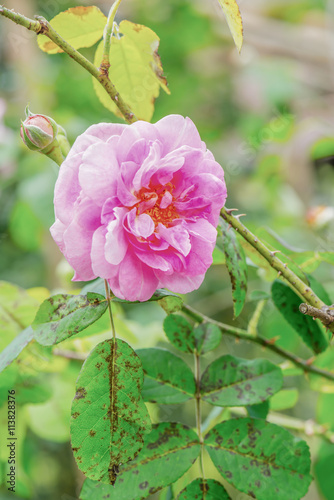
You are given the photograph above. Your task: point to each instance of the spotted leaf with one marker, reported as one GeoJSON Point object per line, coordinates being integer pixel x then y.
{"type": "Point", "coordinates": [61, 316]}
{"type": "Point", "coordinates": [169, 451]}
{"type": "Point", "coordinates": [236, 265]}
{"type": "Point", "coordinates": [168, 379]}
{"type": "Point", "coordinates": [200, 489]}
{"type": "Point", "coordinates": [109, 418]}
{"type": "Point", "coordinates": [260, 459]}
{"type": "Point", "coordinates": [231, 381]}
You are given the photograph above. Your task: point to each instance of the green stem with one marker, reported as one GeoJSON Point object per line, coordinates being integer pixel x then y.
{"type": "Point", "coordinates": [199, 411]}
{"type": "Point", "coordinates": [240, 334]}
{"type": "Point", "coordinates": [41, 26]}
{"type": "Point", "coordinates": [105, 64]}
{"type": "Point", "coordinates": [106, 285]}
{"type": "Point", "coordinates": [254, 321]}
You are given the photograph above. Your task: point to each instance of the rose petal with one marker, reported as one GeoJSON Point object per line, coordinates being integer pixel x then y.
{"type": "Point", "coordinates": [67, 189]}
{"type": "Point", "coordinates": [116, 240]}
{"type": "Point", "coordinates": [98, 173]}
{"type": "Point", "coordinates": [177, 237]}
{"type": "Point", "coordinates": [101, 267]}
{"type": "Point", "coordinates": [78, 244]}
{"type": "Point", "coordinates": [175, 131]}
{"type": "Point", "coordinates": [95, 134]}
{"type": "Point", "coordinates": [137, 281]}
{"type": "Point", "coordinates": [141, 226]}
{"type": "Point", "coordinates": [179, 283]}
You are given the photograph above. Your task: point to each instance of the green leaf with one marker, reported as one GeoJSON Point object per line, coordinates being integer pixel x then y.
{"type": "Point", "coordinates": [237, 267]}
{"type": "Point", "coordinates": [325, 414]}
{"type": "Point", "coordinates": [208, 489]}
{"type": "Point", "coordinates": [230, 381]}
{"type": "Point", "coordinates": [260, 459]}
{"type": "Point", "coordinates": [234, 20]}
{"type": "Point", "coordinates": [135, 70]}
{"type": "Point", "coordinates": [169, 451]}
{"type": "Point", "coordinates": [79, 26]}
{"type": "Point", "coordinates": [258, 411]}
{"type": "Point", "coordinates": [109, 417]}
{"type": "Point", "coordinates": [12, 351]}
{"type": "Point", "coordinates": [168, 380]}
{"type": "Point", "coordinates": [62, 316]}
{"type": "Point", "coordinates": [207, 337]}
{"type": "Point", "coordinates": [323, 148]}
{"type": "Point", "coordinates": [283, 400]}
{"type": "Point", "coordinates": [288, 302]}
{"type": "Point", "coordinates": [204, 338]}
{"type": "Point", "coordinates": [179, 332]}
{"type": "Point", "coordinates": [323, 470]}
{"type": "Point", "coordinates": [171, 303]}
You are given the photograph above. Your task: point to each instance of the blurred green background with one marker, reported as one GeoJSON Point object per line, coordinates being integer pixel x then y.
{"type": "Point", "coordinates": [266, 114]}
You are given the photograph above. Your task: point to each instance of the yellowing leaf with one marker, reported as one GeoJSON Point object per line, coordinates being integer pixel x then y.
{"type": "Point", "coordinates": [135, 70]}
{"type": "Point", "coordinates": [79, 26]}
{"type": "Point", "coordinates": [234, 21]}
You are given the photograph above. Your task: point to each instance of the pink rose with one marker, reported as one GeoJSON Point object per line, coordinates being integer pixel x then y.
{"type": "Point", "coordinates": [138, 205]}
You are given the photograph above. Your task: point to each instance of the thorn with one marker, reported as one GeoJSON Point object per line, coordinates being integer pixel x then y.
{"type": "Point", "coordinates": [273, 340]}
{"type": "Point", "coordinates": [229, 227]}
{"type": "Point", "coordinates": [309, 362]}
{"type": "Point", "coordinates": [239, 215]}
{"type": "Point", "coordinates": [230, 210]}
{"type": "Point", "coordinates": [274, 252]}
{"type": "Point", "coordinates": [286, 266]}
{"type": "Point", "coordinates": [279, 273]}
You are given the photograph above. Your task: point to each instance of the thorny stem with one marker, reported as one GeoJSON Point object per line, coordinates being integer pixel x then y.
{"type": "Point", "coordinates": [326, 314]}
{"type": "Point", "coordinates": [198, 411]}
{"type": "Point", "coordinates": [302, 288]}
{"type": "Point", "coordinates": [240, 334]}
{"type": "Point", "coordinates": [105, 64]}
{"type": "Point", "coordinates": [41, 27]}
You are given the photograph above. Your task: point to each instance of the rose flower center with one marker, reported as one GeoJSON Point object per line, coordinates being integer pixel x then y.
{"type": "Point", "coordinates": [158, 203]}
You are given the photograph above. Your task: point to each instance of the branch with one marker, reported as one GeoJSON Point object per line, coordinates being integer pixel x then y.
{"type": "Point", "coordinates": [41, 26]}
{"type": "Point", "coordinates": [302, 288]}
{"type": "Point", "coordinates": [240, 334]}
{"type": "Point", "coordinates": [325, 314]}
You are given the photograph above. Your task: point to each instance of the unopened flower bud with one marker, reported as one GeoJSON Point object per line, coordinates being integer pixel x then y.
{"type": "Point", "coordinates": [37, 132]}
{"type": "Point", "coordinates": [41, 133]}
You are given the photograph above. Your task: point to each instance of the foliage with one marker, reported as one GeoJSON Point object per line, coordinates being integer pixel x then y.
{"type": "Point", "coordinates": [57, 353]}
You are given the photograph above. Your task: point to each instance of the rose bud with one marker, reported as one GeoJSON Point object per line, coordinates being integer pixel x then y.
{"type": "Point", "coordinates": [41, 133]}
